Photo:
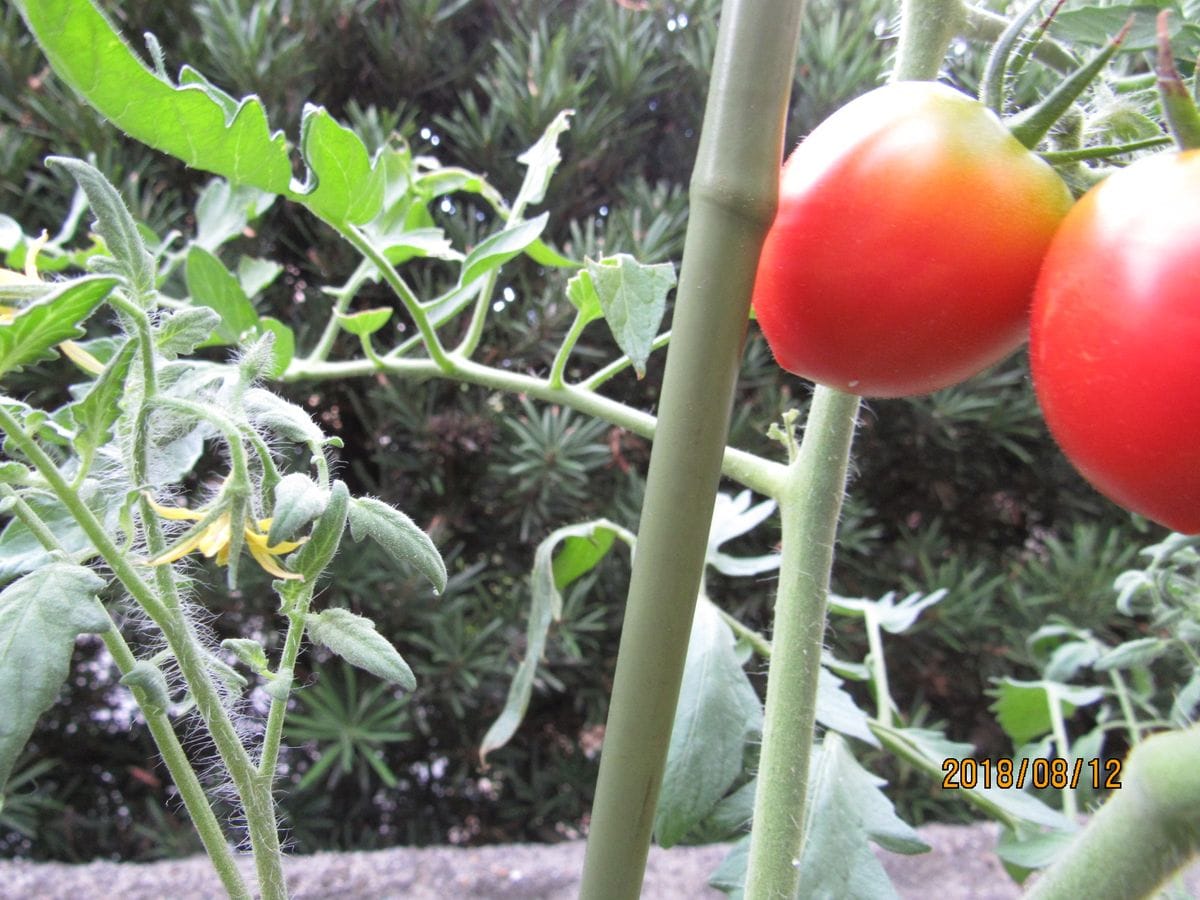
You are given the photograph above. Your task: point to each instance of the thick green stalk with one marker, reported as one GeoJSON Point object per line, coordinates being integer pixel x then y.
{"type": "Point", "coordinates": [1144, 833]}
{"type": "Point", "coordinates": [809, 504]}
{"type": "Point", "coordinates": [733, 194]}
{"type": "Point", "coordinates": [926, 29]}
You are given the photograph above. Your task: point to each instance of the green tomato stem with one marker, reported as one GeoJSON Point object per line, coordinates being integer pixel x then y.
{"type": "Point", "coordinates": [926, 29]}
{"type": "Point", "coordinates": [810, 502]}
{"type": "Point", "coordinates": [564, 351]}
{"type": "Point", "coordinates": [1062, 748]}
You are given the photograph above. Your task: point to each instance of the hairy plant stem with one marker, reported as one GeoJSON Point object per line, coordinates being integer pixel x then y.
{"type": "Point", "coordinates": [254, 791]}
{"type": "Point", "coordinates": [926, 29]}
{"type": "Point", "coordinates": [176, 761]}
{"type": "Point", "coordinates": [810, 500]}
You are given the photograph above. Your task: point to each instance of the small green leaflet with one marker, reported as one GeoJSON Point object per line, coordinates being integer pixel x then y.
{"type": "Point", "coordinates": [95, 414]}
{"type": "Point", "coordinates": [1023, 707]}
{"type": "Point", "coordinates": [632, 298]}
{"type": "Point", "coordinates": [494, 251]}
{"type": "Point", "coordinates": [37, 328]}
{"type": "Point", "coordinates": [355, 640]}
{"type": "Point", "coordinates": [40, 617]}
{"type": "Point", "coordinates": [366, 323]}
{"type": "Point", "coordinates": [399, 535]}
{"type": "Point", "coordinates": [211, 284]}
{"type": "Point", "coordinates": [298, 500]}
{"type": "Point", "coordinates": [200, 124]}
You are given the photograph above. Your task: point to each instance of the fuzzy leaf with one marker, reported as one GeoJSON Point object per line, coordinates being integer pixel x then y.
{"type": "Point", "coordinates": [55, 318]}
{"type": "Point", "coordinates": [581, 291]}
{"type": "Point", "coordinates": [399, 535]}
{"type": "Point", "coordinates": [355, 640]}
{"type": "Point", "coordinates": [95, 414]}
{"type": "Point", "coordinates": [634, 299]}
{"type": "Point", "coordinates": [717, 712]}
{"type": "Point", "coordinates": [113, 223]}
{"type": "Point", "coordinates": [256, 275]}
{"type": "Point", "coordinates": [149, 678]}
{"type": "Point", "coordinates": [198, 123]}
{"type": "Point", "coordinates": [286, 420]}
{"type": "Point", "coordinates": [249, 652]}
{"type": "Point", "coordinates": [312, 558]}
{"type": "Point", "coordinates": [21, 551]}
{"type": "Point", "coordinates": [283, 349]}
{"type": "Point", "coordinates": [184, 330]}
{"type": "Point", "coordinates": [298, 500]}
{"type": "Point", "coordinates": [40, 617]}
{"type": "Point", "coordinates": [211, 284]}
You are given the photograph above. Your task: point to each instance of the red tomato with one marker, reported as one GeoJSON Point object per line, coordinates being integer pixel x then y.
{"type": "Point", "coordinates": [910, 229]}
{"type": "Point", "coordinates": [1115, 344]}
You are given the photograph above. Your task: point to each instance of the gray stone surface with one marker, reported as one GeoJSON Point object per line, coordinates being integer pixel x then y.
{"type": "Point", "coordinates": [962, 866]}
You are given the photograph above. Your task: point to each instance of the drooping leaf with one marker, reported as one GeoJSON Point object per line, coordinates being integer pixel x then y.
{"type": "Point", "coordinates": [211, 284]}
{"type": "Point", "coordinates": [37, 328]}
{"type": "Point", "coordinates": [399, 536]}
{"type": "Point", "coordinates": [285, 419]}
{"type": "Point", "coordinates": [584, 545]}
{"type": "Point", "coordinates": [634, 299]}
{"type": "Point", "coordinates": [355, 640]}
{"type": "Point", "coordinates": [41, 615]}
{"type": "Point", "coordinates": [541, 160]}
{"type": "Point", "coordinates": [718, 711]}
{"type": "Point", "coordinates": [150, 680]}
{"type": "Point", "coordinates": [198, 123]}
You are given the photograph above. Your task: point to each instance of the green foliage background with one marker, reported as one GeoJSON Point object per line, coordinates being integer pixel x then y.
{"type": "Point", "coordinates": [961, 490]}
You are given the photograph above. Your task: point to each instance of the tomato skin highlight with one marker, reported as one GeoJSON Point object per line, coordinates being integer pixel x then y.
{"type": "Point", "coordinates": [909, 233]}
{"type": "Point", "coordinates": [1115, 342]}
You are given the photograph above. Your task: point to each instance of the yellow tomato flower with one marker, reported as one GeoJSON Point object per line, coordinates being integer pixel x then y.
{"type": "Point", "coordinates": [70, 349]}
{"type": "Point", "coordinates": [213, 540]}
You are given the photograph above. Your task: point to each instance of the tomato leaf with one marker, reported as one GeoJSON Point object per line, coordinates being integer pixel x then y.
{"type": "Point", "coordinates": [298, 500]}
{"type": "Point", "coordinates": [355, 640]}
{"type": "Point", "coordinates": [95, 414]}
{"type": "Point", "coordinates": [1023, 707]}
{"type": "Point", "coordinates": [200, 124]}
{"type": "Point", "coordinates": [634, 299]}
{"type": "Point", "coordinates": [40, 617]}
{"type": "Point", "coordinates": [494, 251]}
{"type": "Point", "coordinates": [223, 211]}
{"type": "Point", "coordinates": [541, 160]}
{"type": "Point", "coordinates": [283, 349]}
{"type": "Point", "coordinates": [55, 318]}
{"type": "Point", "coordinates": [366, 323]}
{"type": "Point", "coordinates": [399, 535]}
{"type": "Point", "coordinates": [718, 711]}
{"type": "Point", "coordinates": [184, 330]}
{"type": "Point", "coordinates": [211, 284]}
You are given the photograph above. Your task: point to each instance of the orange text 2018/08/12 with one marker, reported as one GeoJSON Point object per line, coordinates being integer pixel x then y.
{"type": "Point", "coordinates": [1039, 773]}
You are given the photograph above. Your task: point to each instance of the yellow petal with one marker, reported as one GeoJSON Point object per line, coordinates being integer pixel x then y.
{"type": "Point", "coordinates": [215, 536]}
{"type": "Point", "coordinates": [177, 513]}
{"type": "Point", "coordinates": [259, 539]}
{"type": "Point", "coordinates": [182, 549]}
{"type": "Point", "coordinates": [268, 562]}
{"type": "Point", "coordinates": [81, 357]}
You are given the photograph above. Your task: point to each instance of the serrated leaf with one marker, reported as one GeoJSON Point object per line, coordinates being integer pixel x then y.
{"type": "Point", "coordinates": [198, 123]}
{"type": "Point", "coordinates": [732, 518]}
{"type": "Point", "coordinates": [846, 811]}
{"type": "Point", "coordinates": [399, 536]}
{"type": "Point", "coordinates": [184, 330]}
{"type": "Point", "coordinates": [717, 712]}
{"type": "Point", "coordinates": [998, 802]}
{"type": "Point", "coordinates": [355, 640]}
{"type": "Point", "coordinates": [837, 711]}
{"type": "Point", "coordinates": [284, 419]}
{"type": "Point", "coordinates": [94, 415]}
{"type": "Point", "coordinates": [223, 211]}
{"type": "Point", "coordinates": [584, 545]}
{"type": "Point", "coordinates": [41, 615]}
{"type": "Point", "coordinates": [634, 299]}
{"type": "Point", "coordinates": [32, 333]}
{"type": "Point", "coordinates": [298, 500]}
{"type": "Point", "coordinates": [113, 223]}
{"type": "Point", "coordinates": [211, 284]}
{"type": "Point", "coordinates": [342, 184]}
{"type": "Point", "coordinates": [1098, 25]}
{"type": "Point", "coordinates": [365, 323]}
{"type": "Point", "coordinates": [1022, 708]}
{"type": "Point", "coordinates": [494, 251]}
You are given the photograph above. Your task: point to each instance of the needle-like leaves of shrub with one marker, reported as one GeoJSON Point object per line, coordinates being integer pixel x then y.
{"type": "Point", "coordinates": [200, 124]}
{"type": "Point", "coordinates": [40, 617]}
{"type": "Point", "coordinates": [399, 536]}
{"type": "Point", "coordinates": [355, 640]}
